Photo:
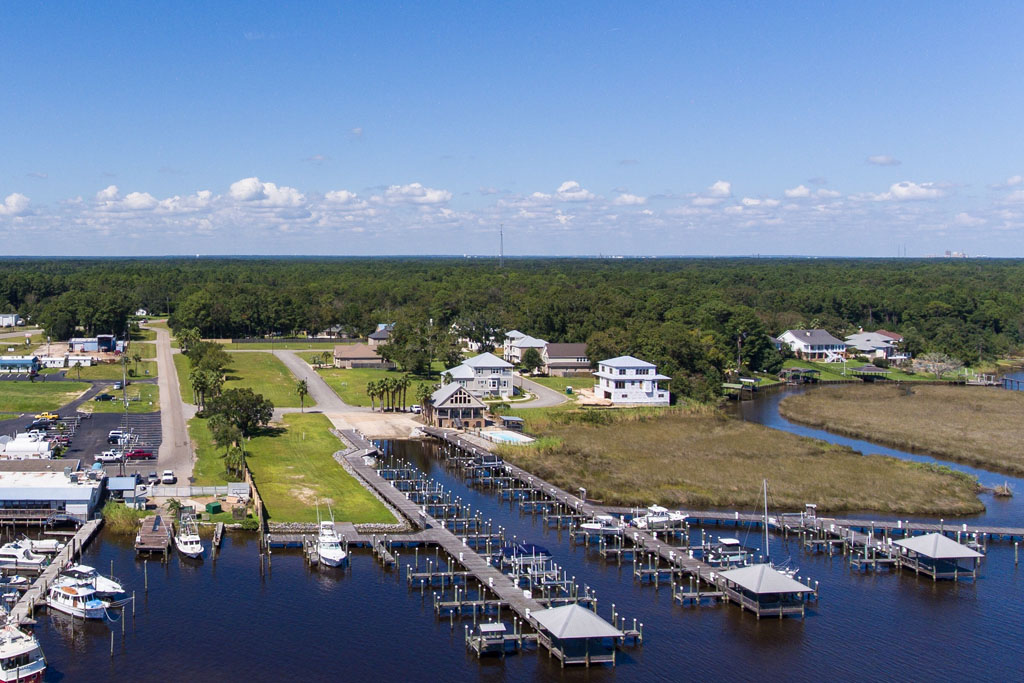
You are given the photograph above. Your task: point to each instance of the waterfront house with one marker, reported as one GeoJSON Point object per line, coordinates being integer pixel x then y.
{"type": "Point", "coordinates": [453, 406]}
{"type": "Point", "coordinates": [40, 495]}
{"type": "Point", "coordinates": [483, 375]}
{"type": "Point", "coordinates": [576, 635]}
{"type": "Point", "coordinates": [814, 345]}
{"type": "Point", "coordinates": [565, 360]}
{"type": "Point", "coordinates": [514, 352]}
{"type": "Point", "coordinates": [764, 591]}
{"type": "Point", "coordinates": [939, 557]}
{"type": "Point", "coordinates": [872, 345]}
{"type": "Point", "coordinates": [359, 356]}
{"type": "Point", "coordinates": [630, 381]}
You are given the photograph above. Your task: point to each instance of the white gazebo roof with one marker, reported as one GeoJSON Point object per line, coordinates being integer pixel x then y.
{"type": "Point", "coordinates": [761, 579]}
{"type": "Point", "coordinates": [573, 621]}
{"type": "Point", "coordinates": [938, 547]}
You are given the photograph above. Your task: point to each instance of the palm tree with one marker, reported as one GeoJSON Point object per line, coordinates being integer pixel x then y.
{"type": "Point", "coordinates": [403, 386]}
{"type": "Point", "coordinates": [136, 357]}
{"type": "Point", "coordinates": [371, 391]}
{"type": "Point", "coordinates": [235, 460]}
{"type": "Point", "coordinates": [174, 507]}
{"type": "Point", "coordinates": [325, 357]}
{"type": "Point", "coordinates": [423, 394]}
{"type": "Point", "coordinates": [303, 390]}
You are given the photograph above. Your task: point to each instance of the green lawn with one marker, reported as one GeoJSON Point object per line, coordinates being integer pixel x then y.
{"type": "Point", "coordinates": [313, 357]}
{"type": "Point", "coordinates": [285, 346]}
{"type": "Point", "coordinates": [209, 468]}
{"type": "Point", "coordinates": [833, 372]}
{"type": "Point", "coordinates": [143, 398]}
{"type": "Point", "coordinates": [113, 370]}
{"type": "Point", "coordinates": [33, 397]}
{"type": "Point", "coordinates": [19, 347]}
{"type": "Point", "coordinates": [182, 365]}
{"type": "Point", "coordinates": [144, 335]}
{"type": "Point", "coordinates": [560, 383]}
{"type": "Point", "coordinates": [350, 385]}
{"type": "Point", "coordinates": [264, 374]}
{"type": "Point", "coordinates": [295, 468]}
{"type": "Point", "coordinates": [147, 349]}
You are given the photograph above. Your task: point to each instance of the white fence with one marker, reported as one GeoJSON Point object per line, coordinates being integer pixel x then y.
{"type": "Point", "coordinates": [187, 491]}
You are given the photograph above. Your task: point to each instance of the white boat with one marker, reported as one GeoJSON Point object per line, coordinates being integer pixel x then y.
{"type": "Point", "coordinates": [658, 517]}
{"type": "Point", "coordinates": [187, 539]}
{"type": "Point", "coordinates": [21, 658]}
{"type": "Point", "coordinates": [83, 575]}
{"type": "Point", "coordinates": [602, 524]}
{"type": "Point", "coordinates": [78, 601]}
{"type": "Point", "coordinates": [44, 545]}
{"type": "Point", "coordinates": [328, 544]}
{"type": "Point", "coordinates": [729, 552]}
{"type": "Point", "coordinates": [18, 555]}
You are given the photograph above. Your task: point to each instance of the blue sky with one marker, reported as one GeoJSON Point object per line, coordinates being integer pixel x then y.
{"type": "Point", "coordinates": [584, 128]}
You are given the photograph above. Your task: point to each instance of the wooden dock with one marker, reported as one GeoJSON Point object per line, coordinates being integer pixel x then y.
{"type": "Point", "coordinates": [24, 610]}
{"type": "Point", "coordinates": [154, 535]}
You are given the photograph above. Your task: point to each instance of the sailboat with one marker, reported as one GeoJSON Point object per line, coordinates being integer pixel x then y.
{"type": "Point", "coordinates": [785, 567]}
{"type": "Point", "coordinates": [187, 539]}
{"type": "Point", "coordinates": [328, 545]}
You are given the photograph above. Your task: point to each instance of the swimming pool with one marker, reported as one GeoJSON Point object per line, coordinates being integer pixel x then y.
{"type": "Point", "coordinates": [506, 436]}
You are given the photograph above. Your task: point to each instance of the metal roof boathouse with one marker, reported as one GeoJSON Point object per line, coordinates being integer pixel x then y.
{"type": "Point", "coordinates": [938, 557]}
{"type": "Point", "coordinates": [575, 635]}
{"type": "Point", "coordinates": [765, 591]}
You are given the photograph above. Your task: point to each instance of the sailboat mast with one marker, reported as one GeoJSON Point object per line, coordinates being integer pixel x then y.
{"type": "Point", "coordinates": [767, 552]}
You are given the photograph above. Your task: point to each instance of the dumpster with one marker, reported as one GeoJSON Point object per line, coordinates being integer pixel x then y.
{"type": "Point", "coordinates": [213, 507]}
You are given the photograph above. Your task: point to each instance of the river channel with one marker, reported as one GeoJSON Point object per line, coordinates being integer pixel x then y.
{"type": "Point", "coordinates": [222, 621]}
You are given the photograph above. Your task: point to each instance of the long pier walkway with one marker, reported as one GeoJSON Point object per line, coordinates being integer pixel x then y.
{"type": "Point", "coordinates": [23, 610]}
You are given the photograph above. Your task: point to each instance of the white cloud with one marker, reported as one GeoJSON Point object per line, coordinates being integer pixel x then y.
{"type": "Point", "coordinates": [107, 194]}
{"type": "Point", "coordinates": [15, 204]}
{"type": "Point", "coordinates": [627, 199]}
{"type": "Point", "coordinates": [883, 160]}
{"type": "Point", "coordinates": [570, 191]}
{"type": "Point", "coordinates": [827, 194]}
{"type": "Point", "coordinates": [137, 201]}
{"type": "Point", "coordinates": [1015, 196]}
{"type": "Point", "coordinates": [192, 203]}
{"type": "Point", "coordinates": [720, 188]}
{"type": "Point", "coordinates": [341, 196]}
{"type": "Point", "coordinates": [415, 193]}
{"type": "Point", "coordinates": [706, 201]}
{"type": "Point", "coordinates": [267, 194]}
{"type": "Point", "coordinates": [964, 218]}
{"type": "Point", "coordinates": [647, 212]}
{"type": "Point", "coordinates": [1014, 181]}
{"type": "Point", "coordinates": [907, 190]}
{"type": "Point", "coordinates": [797, 192]}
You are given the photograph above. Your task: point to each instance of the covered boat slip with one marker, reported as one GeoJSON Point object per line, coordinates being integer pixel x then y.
{"type": "Point", "coordinates": [575, 635]}
{"type": "Point", "coordinates": [938, 557]}
{"type": "Point", "coordinates": [764, 591]}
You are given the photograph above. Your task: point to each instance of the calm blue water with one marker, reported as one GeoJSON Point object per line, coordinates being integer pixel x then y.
{"type": "Point", "coordinates": [206, 621]}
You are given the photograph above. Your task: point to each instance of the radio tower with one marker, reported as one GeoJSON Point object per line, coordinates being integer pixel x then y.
{"type": "Point", "coordinates": [501, 248]}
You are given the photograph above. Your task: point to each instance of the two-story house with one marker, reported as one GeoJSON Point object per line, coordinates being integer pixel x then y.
{"type": "Point", "coordinates": [815, 345]}
{"type": "Point", "coordinates": [514, 352]}
{"type": "Point", "coordinates": [483, 375]}
{"type": "Point", "coordinates": [452, 406]}
{"type": "Point", "coordinates": [627, 380]}
{"type": "Point", "coordinates": [565, 360]}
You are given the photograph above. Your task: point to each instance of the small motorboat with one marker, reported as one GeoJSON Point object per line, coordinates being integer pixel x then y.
{"type": "Point", "coordinates": [18, 555]}
{"type": "Point", "coordinates": [328, 546]}
{"type": "Point", "coordinates": [21, 658]}
{"type": "Point", "coordinates": [78, 601]}
{"type": "Point", "coordinates": [83, 575]}
{"type": "Point", "coordinates": [187, 539]}
{"type": "Point", "coordinates": [602, 524]}
{"type": "Point", "coordinates": [729, 552]}
{"type": "Point", "coordinates": [658, 517]}
{"type": "Point", "coordinates": [48, 546]}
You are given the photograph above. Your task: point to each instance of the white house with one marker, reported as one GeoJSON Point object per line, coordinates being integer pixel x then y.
{"type": "Point", "coordinates": [483, 375]}
{"type": "Point", "coordinates": [872, 344]}
{"type": "Point", "coordinates": [514, 351]}
{"type": "Point", "coordinates": [10, 320]}
{"type": "Point", "coordinates": [815, 345]}
{"type": "Point", "coordinates": [627, 380]}
{"type": "Point", "coordinates": [511, 337]}
{"type": "Point", "coordinates": [141, 312]}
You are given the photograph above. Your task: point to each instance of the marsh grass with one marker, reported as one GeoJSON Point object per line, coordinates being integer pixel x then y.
{"type": "Point", "coordinates": [118, 518]}
{"type": "Point", "coordinates": [695, 457]}
{"type": "Point", "coordinates": [979, 426]}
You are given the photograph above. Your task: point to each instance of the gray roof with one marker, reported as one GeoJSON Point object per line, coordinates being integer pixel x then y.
{"type": "Point", "coordinates": [460, 372]}
{"type": "Point", "coordinates": [761, 579]}
{"type": "Point", "coordinates": [439, 397]}
{"type": "Point", "coordinates": [626, 362]}
{"type": "Point", "coordinates": [514, 334]}
{"type": "Point", "coordinates": [937, 547]}
{"type": "Point", "coordinates": [380, 334]}
{"type": "Point", "coordinates": [573, 621]}
{"type": "Point", "coordinates": [567, 351]}
{"type": "Point", "coordinates": [816, 337]}
{"type": "Point", "coordinates": [122, 483]}
{"type": "Point", "coordinates": [526, 342]}
{"type": "Point", "coordinates": [867, 341]}
{"type": "Point", "coordinates": [870, 370]}
{"type": "Point", "coordinates": [486, 360]}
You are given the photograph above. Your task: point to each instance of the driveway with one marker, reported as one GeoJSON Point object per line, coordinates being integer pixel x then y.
{"type": "Point", "coordinates": [176, 448]}
{"type": "Point", "coordinates": [545, 397]}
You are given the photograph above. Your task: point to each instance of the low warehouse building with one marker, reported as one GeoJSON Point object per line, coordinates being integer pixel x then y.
{"type": "Point", "coordinates": [39, 495]}
{"type": "Point", "coordinates": [29, 364]}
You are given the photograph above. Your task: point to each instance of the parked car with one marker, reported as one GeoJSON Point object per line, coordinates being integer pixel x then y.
{"type": "Point", "coordinates": [139, 454]}
{"type": "Point", "coordinates": [117, 386]}
{"type": "Point", "coordinates": [115, 436]}
{"type": "Point", "coordinates": [416, 408]}
{"type": "Point", "coordinates": [47, 416]}
{"type": "Point", "coordinates": [109, 456]}
{"type": "Point", "coordinates": [38, 425]}
{"type": "Point", "coordinates": [153, 478]}
{"type": "Point", "coordinates": [168, 477]}
{"type": "Point", "coordinates": [104, 397]}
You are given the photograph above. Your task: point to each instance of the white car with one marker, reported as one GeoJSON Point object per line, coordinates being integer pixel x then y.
{"type": "Point", "coordinates": [109, 456]}
{"type": "Point", "coordinates": [168, 477]}
{"type": "Point", "coordinates": [415, 408]}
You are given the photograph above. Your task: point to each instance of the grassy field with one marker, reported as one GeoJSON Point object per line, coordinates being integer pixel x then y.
{"type": "Point", "coordinates": [144, 336]}
{"type": "Point", "coordinates": [19, 347]}
{"type": "Point", "coordinates": [560, 383]}
{"type": "Point", "coordinates": [264, 374]}
{"type": "Point", "coordinates": [113, 370]}
{"type": "Point", "coordinates": [285, 346]}
{"type": "Point", "coordinates": [182, 367]}
{"type": "Point", "coordinates": [295, 468]}
{"type": "Point", "coordinates": [147, 349]}
{"type": "Point", "coordinates": [697, 458]}
{"type": "Point", "coordinates": [33, 397]}
{"type": "Point", "coordinates": [979, 426]}
{"type": "Point", "coordinates": [209, 469]}
{"type": "Point", "coordinates": [350, 385]}
{"type": "Point", "coordinates": [144, 398]}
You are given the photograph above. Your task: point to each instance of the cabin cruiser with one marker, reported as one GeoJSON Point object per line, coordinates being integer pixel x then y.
{"type": "Point", "coordinates": [602, 524]}
{"type": "Point", "coordinates": [658, 517]}
{"type": "Point", "coordinates": [729, 552]}
{"type": "Point", "coordinates": [78, 601]}
{"type": "Point", "coordinates": [18, 555]}
{"type": "Point", "coordinates": [187, 539]}
{"type": "Point", "coordinates": [21, 658]}
{"type": "Point", "coordinates": [43, 545]}
{"type": "Point", "coordinates": [83, 575]}
{"type": "Point", "coordinates": [328, 545]}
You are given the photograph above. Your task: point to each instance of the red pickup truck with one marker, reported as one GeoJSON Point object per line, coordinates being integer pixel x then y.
{"type": "Point", "coordinates": [139, 454]}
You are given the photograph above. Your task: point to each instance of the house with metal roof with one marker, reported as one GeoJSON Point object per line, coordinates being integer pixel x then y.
{"type": "Point", "coordinates": [815, 345]}
{"type": "Point", "coordinates": [764, 591]}
{"type": "Point", "coordinates": [630, 381]}
{"type": "Point", "coordinates": [565, 360]}
{"type": "Point", "coordinates": [513, 352]}
{"type": "Point", "coordinates": [939, 557]}
{"type": "Point", "coordinates": [576, 635]}
{"type": "Point", "coordinates": [453, 406]}
{"type": "Point", "coordinates": [41, 495]}
{"type": "Point", "coordinates": [483, 375]}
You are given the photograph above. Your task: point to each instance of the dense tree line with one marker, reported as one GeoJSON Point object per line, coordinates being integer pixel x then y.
{"type": "Point", "coordinates": [692, 315]}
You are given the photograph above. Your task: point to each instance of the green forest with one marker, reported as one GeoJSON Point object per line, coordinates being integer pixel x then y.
{"type": "Point", "coordinates": [692, 316]}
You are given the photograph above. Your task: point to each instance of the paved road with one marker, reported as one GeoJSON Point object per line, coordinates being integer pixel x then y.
{"type": "Point", "coordinates": [325, 399]}
{"type": "Point", "coordinates": [19, 333]}
{"type": "Point", "coordinates": [546, 397]}
{"type": "Point", "coordinates": [176, 448]}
